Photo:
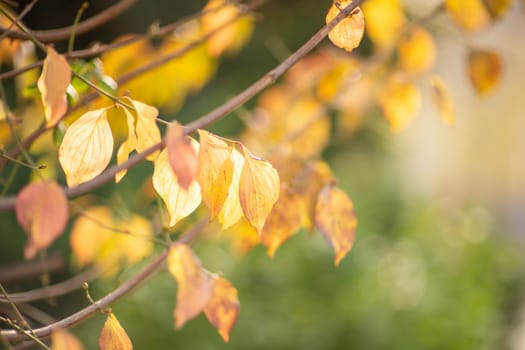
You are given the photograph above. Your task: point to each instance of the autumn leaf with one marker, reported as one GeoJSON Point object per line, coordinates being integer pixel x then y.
{"type": "Point", "coordinates": [442, 99]}
{"type": "Point", "coordinates": [113, 336]}
{"type": "Point", "coordinates": [335, 219]}
{"type": "Point", "coordinates": [231, 210]}
{"type": "Point", "coordinates": [223, 307]}
{"type": "Point", "coordinates": [400, 101]}
{"type": "Point", "coordinates": [127, 146]}
{"type": "Point", "coordinates": [258, 189]}
{"type": "Point", "coordinates": [194, 283]}
{"type": "Point", "coordinates": [181, 155]}
{"type": "Point", "coordinates": [384, 21]}
{"type": "Point", "coordinates": [52, 84]}
{"type": "Point", "coordinates": [42, 211]}
{"type": "Point", "coordinates": [485, 69]}
{"type": "Point", "coordinates": [148, 133]}
{"type": "Point", "coordinates": [348, 33]}
{"type": "Point", "coordinates": [63, 340]}
{"type": "Point", "coordinates": [469, 14]}
{"type": "Point", "coordinates": [416, 50]}
{"type": "Point", "coordinates": [243, 236]}
{"type": "Point", "coordinates": [87, 147]}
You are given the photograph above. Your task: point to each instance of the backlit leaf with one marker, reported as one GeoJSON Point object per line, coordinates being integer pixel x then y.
{"type": "Point", "coordinates": [63, 340]}
{"type": "Point", "coordinates": [335, 219]}
{"type": "Point", "coordinates": [400, 101]}
{"type": "Point", "coordinates": [231, 210]}
{"type": "Point", "coordinates": [53, 82]}
{"type": "Point", "coordinates": [194, 283]}
{"type": "Point", "coordinates": [485, 69]}
{"type": "Point", "coordinates": [127, 146]}
{"type": "Point", "coordinates": [181, 155]}
{"type": "Point", "coordinates": [384, 21]}
{"type": "Point", "coordinates": [416, 50]}
{"type": "Point", "coordinates": [222, 309]}
{"type": "Point", "coordinates": [179, 202]}
{"type": "Point", "coordinates": [113, 336]}
{"type": "Point", "coordinates": [148, 133]}
{"type": "Point", "coordinates": [258, 189]}
{"type": "Point", "coordinates": [469, 14]}
{"type": "Point", "coordinates": [348, 33]}
{"type": "Point", "coordinates": [42, 211]}
{"type": "Point", "coordinates": [87, 147]}
{"type": "Point", "coordinates": [442, 99]}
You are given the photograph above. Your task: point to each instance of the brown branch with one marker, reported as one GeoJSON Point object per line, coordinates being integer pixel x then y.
{"type": "Point", "coordinates": [59, 34]}
{"type": "Point", "coordinates": [22, 14]}
{"type": "Point", "coordinates": [28, 269]}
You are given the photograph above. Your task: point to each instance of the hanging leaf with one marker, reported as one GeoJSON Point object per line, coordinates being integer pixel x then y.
{"type": "Point", "coordinates": [87, 147]}
{"type": "Point", "coordinates": [400, 101]}
{"type": "Point", "coordinates": [384, 21]}
{"type": "Point", "coordinates": [52, 84]}
{"type": "Point", "coordinates": [335, 219]}
{"type": "Point", "coordinates": [223, 307]}
{"type": "Point", "coordinates": [127, 146]}
{"type": "Point", "coordinates": [485, 69]}
{"type": "Point", "coordinates": [348, 33]}
{"type": "Point", "coordinates": [416, 50]}
{"type": "Point", "coordinates": [63, 340]}
{"type": "Point", "coordinates": [113, 336]}
{"type": "Point", "coordinates": [469, 14]}
{"type": "Point", "coordinates": [194, 284]}
{"type": "Point", "coordinates": [181, 155]}
{"type": "Point", "coordinates": [258, 189]}
{"type": "Point", "coordinates": [442, 99]}
{"type": "Point", "coordinates": [231, 210]}
{"type": "Point", "coordinates": [42, 211]}
{"type": "Point", "coordinates": [148, 133]}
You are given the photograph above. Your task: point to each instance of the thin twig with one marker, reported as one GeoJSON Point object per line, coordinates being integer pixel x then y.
{"type": "Point", "coordinates": [22, 14]}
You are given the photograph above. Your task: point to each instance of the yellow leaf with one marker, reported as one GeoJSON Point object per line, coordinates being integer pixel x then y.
{"type": "Point", "coordinates": [231, 210]}
{"type": "Point", "coordinates": [485, 69]}
{"type": "Point", "coordinates": [113, 336]}
{"type": "Point", "coordinates": [416, 50]}
{"type": "Point", "coordinates": [442, 99]}
{"type": "Point", "coordinates": [284, 220]}
{"type": "Point", "coordinates": [348, 33]}
{"type": "Point", "coordinates": [181, 155]}
{"type": "Point", "coordinates": [258, 189]}
{"type": "Point", "coordinates": [179, 202]}
{"type": "Point", "coordinates": [384, 21]}
{"type": "Point", "coordinates": [127, 146]}
{"type": "Point", "coordinates": [215, 171]}
{"type": "Point", "coordinates": [336, 220]}
{"type": "Point", "coordinates": [63, 340]}
{"type": "Point", "coordinates": [469, 14]}
{"type": "Point", "coordinates": [194, 284]}
{"type": "Point", "coordinates": [243, 236]}
{"type": "Point", "coordinates": [222, 309]}
{"type": "Point", "coordinates": [42, 211]}
{"type": "Point", "coordinates": [87, 147]}
{"type": "Point", "coordinates": [148, 134]}
{"type": "Point", "coordinates": [497, 8]}
{"type": "Point", "coordinates": [400, 101]}
{"type": "Point", "coordinates": [53, 82]}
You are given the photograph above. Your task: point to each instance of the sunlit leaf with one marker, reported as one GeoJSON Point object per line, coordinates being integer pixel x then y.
{"type": "Point", "coordinates": [442, 99]}
{"type": "Point", "coordinates": [87, 147]}
{"type": "Point", "coordinates": [222, 309]}
{"type": "Point", "coordinates": [231, 210]}
{"type": "Point", "coordinates": [469, 14]}
{"type": "Point", "coordinates": [148, 133]}
{"type": "Point", "coordinates": [400, 101]}
{"type": "Point", "coordinates": [63, 340]}
{"type": "Point", "coordinates": [127, 146]}
{"type": "Point", "coordinates": [258, 189]}
{"type": "Point", "coordinates": [384, 21]}
{"type": "Point", "coordinates": [53, 82]}
{"type": "Point", "coordinates": [181, 155]}
{"type": "Point", "coordinates": [416, 50]}
{"type": "Point", "coordinates": [194, 283]}
{"type": "Point", "coordinates": [179, 202]}
{"type": "Point", "coordinates": [113, 336]}
{"type": "Point", "coordinates": [335, 219]}
{"type": "Point", "coordinates": [485, 69]}
{"type": "Point", "coordinates": [348, 33]}
{"type": "Point", "coordinates": [42, 211]}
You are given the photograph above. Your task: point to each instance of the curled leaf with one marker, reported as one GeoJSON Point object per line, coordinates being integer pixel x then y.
{"type": "Point", "coordinates": [442, 99]}
{"type": "Point", "coordinates": [63, 340]}
{"type": "Point", "coordinates": [181, 155]}
{"type": "Point", "coordinates": [348, 33]}
{"type": "Point", "coordinates": [231, 210]}
{"type": "Point", "coordinates": [222, 309]}
{"type": "Point", "coordinates": [484, 68]}
{"type": "Point", "coordinates": [113, 336]}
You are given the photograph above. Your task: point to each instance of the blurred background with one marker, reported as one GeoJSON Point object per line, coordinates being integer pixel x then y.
{"type": "Point", "coordinates": [438, 260]}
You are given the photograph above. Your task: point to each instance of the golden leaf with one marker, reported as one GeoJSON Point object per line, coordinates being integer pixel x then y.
{"type": "Point", "coordinates": [148, 134]}
{"type": "Point", "coordinates": [63, 340]}
{"type": "Point", "coordinates": [53, 82]}
{"type": "Point", "coordinates": [243, 236]}
{"type": "Point", "coordinates": [335, 219]}
{"type": "Point", "coordinates": [384, 21]}
{"type": "Point", "coordinates": [442, 99]}
{"type": "Point", "coordinates": [42, 211]}
{"type": "Point", "coordinates": [348, 33]}
{"type": "Point", "coordinates": [181, 155]}
{"type": "Point", "coordinates": [113, 336]}
{"type": "Point", "coordinates": [179, 202]}
{"type": "Point", "coordinates": [194, 284]}
{"type": "Point", "coordinates": [485, 69]}
{"type": "Point", "coordinates": [231, 210]}
{"type": "Point", "coordinates": [258, 189]}
{"type": "Point", "coordinates": [87, 147]}
{"type": "Point", "coordinates": [416, 50]}
{"type": "Point", "coordinates": [469, 14]}
{"type": "Point", "coordinates": [222, 309]}
{"type": "Point", "coordinates": [400, 101]}
{"type": "Point", "coordinates": [127, 146]}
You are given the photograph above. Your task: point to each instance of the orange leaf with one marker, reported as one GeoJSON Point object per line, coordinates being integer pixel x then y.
{"type": "Point", "coordinates": [181, 155]}
{"type": "Point", "coordinates": [52, 84]}
{"type": "Point", "coordinates": [484, 68]}
{"type": "Point", "coordinates": [416, 50]}
{"type": "Point", "coordinates": [222, 309]}
{"type": "Point", "coordinates": [469, 14]}
{"type": "Point", "coordinates": [63, 340]}
{"type": "Point", "coordinates": [87, 147]}
{"type": "Point", "coordinates": [348, 33]}
{"type": "Point", "coordinates": [215, 171]}
{"type": "Point", "coordinates": [41, 210]}
{"type": "Point", "coordinates": [442, 99]}
{"type": "Point", "coordinates": [113, 336]}
{"type": "Point", "coordinates": [258, 189]}
{"type": "Point", "coordinates": [335, 218]}
{"type": "Point", "coordinates": [194, 284]}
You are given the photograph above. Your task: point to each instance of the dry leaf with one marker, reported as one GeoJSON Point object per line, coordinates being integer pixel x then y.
{"type": "Point", "coordinates": [148, 133]}
{"type": "Point", "coordinates": [42, 211]}
{"type": "Point", "coordinates": [442, 99]}
{"type": "Point", "coordinates": [52, 84]}
{"type": "Point", "coordinates": [127, 146]}
{"type": "Point", "coordinates": [181, 155]}
{"type": "Point", "coordinates": [400, 101]}
{"type": "Point", "coordinates": [258, 189]}
{"type": "Point", "coordinates": [384, 21]}
{"type": "Point", "coordinates": [485, 69]}
{"type": "Point", "coordinates": [416, 50]}
{"type": "Point", "coordinates": [469, 14]}
{"type": "Point", "coordinates": [348, 33]}
{"type": "Point", "coordinates": [222, 309]}
{"type": "Point", "coordinates": [335, 219]}
{"type": "Point", "coordinates": [87, 147]}
{"type": "Point", "coordinates": [63, 340]}
{"type": "Point", "coordinates": [231, 210]}
{"type": "Point", "coordinates": [194, 284]}
{"type": "Point", "coordinates": [113, 336]}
